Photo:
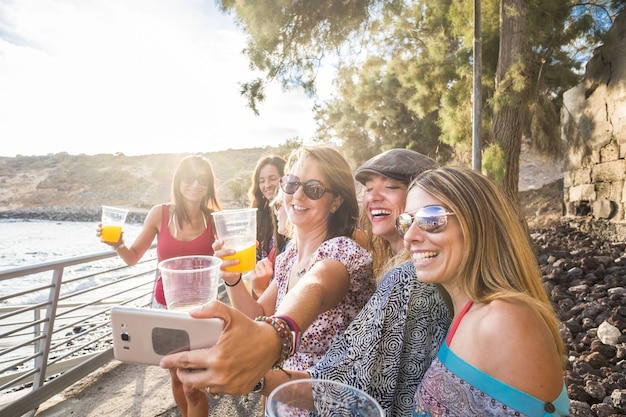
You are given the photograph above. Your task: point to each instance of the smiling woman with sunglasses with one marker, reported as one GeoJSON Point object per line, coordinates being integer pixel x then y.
{"type": "Point", "coordinates": [321, 282]}
{"type": "Point", "coordinates": [503, 354]}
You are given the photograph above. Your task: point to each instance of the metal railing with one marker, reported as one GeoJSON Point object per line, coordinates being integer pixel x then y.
{"type": "Point", "coordinates": [55, 325]}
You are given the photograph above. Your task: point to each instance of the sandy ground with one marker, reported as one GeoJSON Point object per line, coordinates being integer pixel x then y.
{"type": "Point", "coordinates": [121, 390]}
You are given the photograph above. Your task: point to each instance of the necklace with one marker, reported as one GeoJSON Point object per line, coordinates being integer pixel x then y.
{"type": "Point", "coordinates": [300, 272]}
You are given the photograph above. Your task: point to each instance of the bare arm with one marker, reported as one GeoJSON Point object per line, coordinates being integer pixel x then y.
{"type": "Point", "coordinates": [319, 290]}
{"type": "Point", "coordinates": [133, 253]}
{"type": "Point", "coordinates": [234, 367]}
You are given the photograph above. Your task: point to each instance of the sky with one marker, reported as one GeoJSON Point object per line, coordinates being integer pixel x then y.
{"type": "Point", "coordinates": [133, 76]}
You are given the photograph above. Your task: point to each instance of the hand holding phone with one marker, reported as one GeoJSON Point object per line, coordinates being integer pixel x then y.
{"type": "Point", "coordinates": [145, 335]}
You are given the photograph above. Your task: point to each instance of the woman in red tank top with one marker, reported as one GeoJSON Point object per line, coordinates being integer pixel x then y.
{"type": "Point", "coordinates": [182, 227]}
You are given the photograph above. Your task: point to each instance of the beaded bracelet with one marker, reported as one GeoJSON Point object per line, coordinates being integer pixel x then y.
{"type": "Point", "coordinates": [295, 330]}
{"type": "Point", "coordinates": [286, 338]}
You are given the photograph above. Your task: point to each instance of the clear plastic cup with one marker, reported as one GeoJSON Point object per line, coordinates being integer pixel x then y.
{"type": "Point", "coordinates": [323, 398]}
{"type": "Point", "coordinates": [113, 219]}
{"type": "Point", "coordinates": [237, 228]}
{"type": "Point", "coordinates": [189, 281]}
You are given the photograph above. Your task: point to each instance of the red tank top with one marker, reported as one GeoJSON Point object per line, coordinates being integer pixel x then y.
{"type": "Point", "coordinates": [455, 325]}
{"type": "Point", "coordinates": [170, 247]}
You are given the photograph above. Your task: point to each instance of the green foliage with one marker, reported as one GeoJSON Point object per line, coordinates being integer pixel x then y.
{"type": "Point", "coordinates": [287, 146]}
{"type": "Point", "coordinates": [494, 162]}
{"type": "Point", "coordinates": [405, 67]}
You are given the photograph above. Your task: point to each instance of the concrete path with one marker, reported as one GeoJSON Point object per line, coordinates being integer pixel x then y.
{"type": "Point", "coordinates": [122, 390]}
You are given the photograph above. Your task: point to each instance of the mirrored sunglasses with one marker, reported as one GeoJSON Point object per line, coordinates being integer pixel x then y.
{"type": "Point", "coordinates": [203, 180]}
{"type": "Point", "coordinates": [431, 219]}
{"type": "Point", "coordinates": [313, 189]}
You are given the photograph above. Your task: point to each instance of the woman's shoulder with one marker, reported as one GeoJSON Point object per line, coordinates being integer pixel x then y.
{"type": "Point", "coordinates": [155, 213]}
{"type": "Point", "coordinates": [514, 325]}
{"type": "Point", "coordinates": [526, 350]}
{"type": "Point", "coordinates": [344, 246]}
{"type": "Point", "coordinates": [505, 315]}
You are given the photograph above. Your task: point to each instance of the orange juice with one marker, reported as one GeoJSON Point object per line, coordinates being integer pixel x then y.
{"type": "Point", "coordinates": [111, 233]}
{"type": "Point", "coordinates": [247, 259]}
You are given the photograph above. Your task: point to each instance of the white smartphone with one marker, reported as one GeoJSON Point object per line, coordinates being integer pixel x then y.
{"type": "Point", "coordinates": [145, 335]}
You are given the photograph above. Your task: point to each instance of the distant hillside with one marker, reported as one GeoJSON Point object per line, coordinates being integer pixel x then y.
{"type": "Point", "coordinates": [73, 187]}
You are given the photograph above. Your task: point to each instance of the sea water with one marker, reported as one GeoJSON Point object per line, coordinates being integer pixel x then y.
{"type": "Point", "coordinates": [27, 243]}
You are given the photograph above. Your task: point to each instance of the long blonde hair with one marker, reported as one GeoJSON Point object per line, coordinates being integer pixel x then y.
{"type": "Point", "coordinates": [498, 261]}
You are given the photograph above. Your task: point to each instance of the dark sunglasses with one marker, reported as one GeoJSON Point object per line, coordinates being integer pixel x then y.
{"type": "Point", "coordinates": [431, 219]}
{"type": "Point", "coordinates": [313, 189]}
{"type": "Point", "coordinates": [203, 180]}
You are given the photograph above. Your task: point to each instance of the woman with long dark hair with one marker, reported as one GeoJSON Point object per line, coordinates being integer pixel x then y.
{"type": "Point", "coordinates": [265, 182]}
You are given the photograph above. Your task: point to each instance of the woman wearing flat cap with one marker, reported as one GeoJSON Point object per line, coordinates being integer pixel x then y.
{"type": "Point", "coordinates": [386, 178]}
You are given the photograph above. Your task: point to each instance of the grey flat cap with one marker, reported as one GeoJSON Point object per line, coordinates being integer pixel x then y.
{"type": "Point", "coordinates": [398, 164]}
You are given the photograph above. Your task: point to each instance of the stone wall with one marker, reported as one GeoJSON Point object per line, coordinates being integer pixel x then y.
{"type": "Point", "coordinates": [593, 127]}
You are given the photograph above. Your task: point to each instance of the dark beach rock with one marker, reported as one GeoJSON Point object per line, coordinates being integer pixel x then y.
{"type": "Point", "coordinates": [585, 279]}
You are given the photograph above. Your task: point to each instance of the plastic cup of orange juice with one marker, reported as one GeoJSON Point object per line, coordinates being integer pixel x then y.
{"type": "Point", "coordinates": [237, 228]}
{"type": "Point", "coordinates": [112, 221]}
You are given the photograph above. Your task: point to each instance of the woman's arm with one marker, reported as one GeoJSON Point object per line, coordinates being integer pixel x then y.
{"type": "Point", "coordinates": [248, 349]}
{"type": "Point", "coordinates": [321, 288]}
{"type": "Point", "coordinates": [245, 351]}
{"type": "Point", "coordinates": [132, 254]}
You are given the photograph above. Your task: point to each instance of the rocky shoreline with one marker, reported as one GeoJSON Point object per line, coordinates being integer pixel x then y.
{"type": "Point", "coordinates": [70, 214]}
{"type": "Point", "coordinates": [585, 279]}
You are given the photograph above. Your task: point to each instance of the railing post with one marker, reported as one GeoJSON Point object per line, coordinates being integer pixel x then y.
{"type": "Point", "coordinates": [41, 361]}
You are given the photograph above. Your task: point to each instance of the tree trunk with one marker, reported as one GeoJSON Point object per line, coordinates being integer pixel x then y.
{"type": "Point", "coordinates": [511, 92]}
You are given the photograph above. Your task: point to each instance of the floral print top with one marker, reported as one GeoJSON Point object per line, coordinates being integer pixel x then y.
{"type": "Point", "coordinates": [328, 325]}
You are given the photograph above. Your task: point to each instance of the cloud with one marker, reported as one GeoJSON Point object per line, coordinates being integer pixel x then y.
{"type": "Point", "coordinates": [132, 76]}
